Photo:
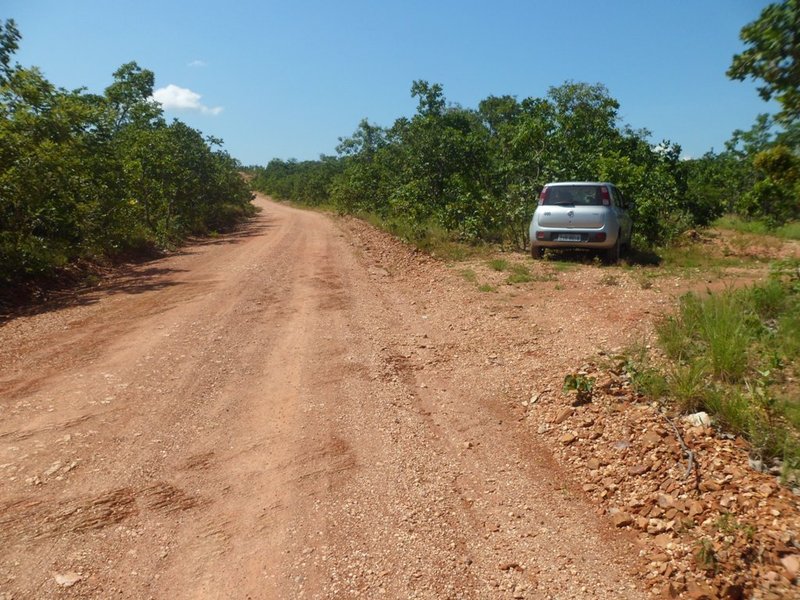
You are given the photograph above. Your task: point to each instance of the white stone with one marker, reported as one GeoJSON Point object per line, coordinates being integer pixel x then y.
{"type": "Point", "coordinates": [700, 419]}
{"type": "Point", "coordinates": [67, 579]}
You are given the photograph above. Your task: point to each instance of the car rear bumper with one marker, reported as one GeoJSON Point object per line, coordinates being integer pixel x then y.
{"type": "Point", "coordinates": [570, 238]}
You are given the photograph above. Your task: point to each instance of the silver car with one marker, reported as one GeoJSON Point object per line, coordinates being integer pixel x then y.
{"type": "Point", "coordinates": [581, 214]}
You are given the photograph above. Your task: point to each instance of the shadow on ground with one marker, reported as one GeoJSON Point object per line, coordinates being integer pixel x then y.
{"type": "Point", "coordinates": [83, 283]}
{"type": "Point", "coordinates": [636, 257]}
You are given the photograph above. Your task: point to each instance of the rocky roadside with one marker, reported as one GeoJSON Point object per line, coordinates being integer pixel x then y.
{"type": "Point", "coordinates": [709, 526]}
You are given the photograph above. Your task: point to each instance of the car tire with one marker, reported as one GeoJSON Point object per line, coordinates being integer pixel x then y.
{"type": "Point", "coordinates": [628, 246]}
{"type": "Point", "coordinates": [612, 254]}
{"type": "Point", "coordinates": [537, 252]}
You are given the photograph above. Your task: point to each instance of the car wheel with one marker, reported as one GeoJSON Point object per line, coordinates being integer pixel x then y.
{"type": "Point", "coordinates": [612, 254]}
{"type": "Point", "coordinates": [537, 252]}
{"type": "Point", "coordinates": [628, 246]}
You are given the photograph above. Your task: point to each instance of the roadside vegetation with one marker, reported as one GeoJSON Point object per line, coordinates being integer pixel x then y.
{"type": "Point", "coordinates": [95, 176]}
{"type": "Point", "coordinates": [453, 175]}
{"type": "Point", "coordinates": [788, 231]}
{"type": "Point", "coordinates": [473, 175]}
{"type": "Point", "coordinates": [736, 355]}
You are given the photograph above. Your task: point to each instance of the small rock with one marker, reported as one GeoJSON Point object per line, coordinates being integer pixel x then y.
{"type": "Point", "coordinates": [53, 468]}
{"type": "Point", "coordinates": [709, 486]}
{"type": "Point", "coordinates": [699, 419]}
{"type": "Point", "coordinates": [651, 439]}
{"type": "Point", "coordinates": [621, 519]}
{"type": "Point", "coordinates": [660, 557]}
{"type": "Point", "coordinates": [567, 438]}
{"type": "Point", "coordinates": [663, 540]}
{"type": "Point", "coordinates": [666, 501]}
{"type": "Point", "coordinates": [67, 580]}
{"type": "Point", "coordinates": [766, 489]}
{"type": "Point", "coordinates": [695, 508]}
{"type": "Point", "coordinates": [700, 592]}
{"type": "Point", "coordinates": [593, 464]}
{"type": "Point", "coordinates": [792, 564]}
{"type": "Point", "coordinates": [639, 469]}
{"type": "Point", "coordinates": [562, 416]}
{"type": "Point", "coordinates": [656, 526]}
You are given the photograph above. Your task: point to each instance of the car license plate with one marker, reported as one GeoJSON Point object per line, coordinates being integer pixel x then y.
{"type": "Point", "coordinates": [569, 237]}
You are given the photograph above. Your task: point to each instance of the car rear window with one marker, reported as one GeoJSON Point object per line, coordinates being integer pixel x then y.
{"type": "Point", "coordinates": [587, 195]}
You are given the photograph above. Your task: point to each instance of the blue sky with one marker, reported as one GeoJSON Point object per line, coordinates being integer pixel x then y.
{"type": "Point", "coordinates": [286, 79]}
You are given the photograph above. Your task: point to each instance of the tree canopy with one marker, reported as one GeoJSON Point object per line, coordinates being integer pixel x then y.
{"type": "Point", "coordinates": [773, 56]}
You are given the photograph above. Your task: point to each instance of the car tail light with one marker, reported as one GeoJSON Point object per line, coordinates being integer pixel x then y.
{"type": "Point", "coordinates": [540, 235]}
{"type": "Point", "coordinates": [599, 237]}
{"type": "Point", "coordinates": [543, 195]}
{"type": "Point", "coordinates": [605, 196]}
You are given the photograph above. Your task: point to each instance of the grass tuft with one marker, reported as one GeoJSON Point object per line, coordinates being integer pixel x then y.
{"type": "Point", "coordinates": [469, 275]}
{"type": "Point", "coordinates": [519, 274]}
{"type": "Point", "coordinates": [498, 264]}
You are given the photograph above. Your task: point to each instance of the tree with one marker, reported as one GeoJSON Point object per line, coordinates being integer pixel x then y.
{"type": "Point", "coordinates": [773, 56]}
{"type": "Point", "coordinates": [9, 44]}
{"type": "Point", "coordinates": [431, 97]}
{"type": "Point", "coordinates": [130, 96]}
{"type": "Point", "coordinates": [585, 126]}
{"type": "Point", "coordinates": [774, 197]}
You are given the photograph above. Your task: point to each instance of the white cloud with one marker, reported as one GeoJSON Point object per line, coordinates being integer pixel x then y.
{"type": "Point", "coordinates": [197, 63]}
{"type": "Point", "coordinates": [178, 98]}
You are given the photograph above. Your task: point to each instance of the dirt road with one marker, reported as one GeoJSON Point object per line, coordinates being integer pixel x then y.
{"type": "Point", "coordinates": [302, 409]}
